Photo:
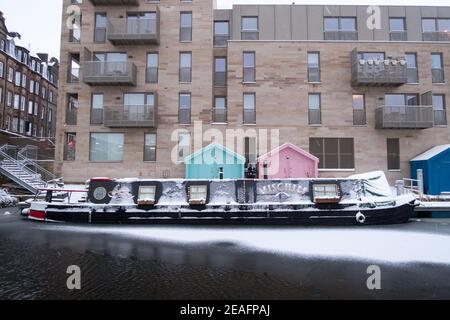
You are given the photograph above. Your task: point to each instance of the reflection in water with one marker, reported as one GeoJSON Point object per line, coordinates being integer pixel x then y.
{"type": "Point", "coordinates": [34, 258]}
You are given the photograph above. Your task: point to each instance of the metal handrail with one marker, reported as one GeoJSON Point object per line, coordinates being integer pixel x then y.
{"type": "Point", "coordinates": [19, 163]}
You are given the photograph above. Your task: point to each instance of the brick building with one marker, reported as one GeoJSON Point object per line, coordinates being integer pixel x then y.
{"type": "Point", "coordinates": [136, 76]}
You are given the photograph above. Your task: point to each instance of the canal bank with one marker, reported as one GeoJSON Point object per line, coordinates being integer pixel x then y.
{"type": "Point", "coordinates": [154, 262]}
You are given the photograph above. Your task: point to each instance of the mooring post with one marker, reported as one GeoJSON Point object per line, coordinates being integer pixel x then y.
{"type": "Point", "coordinates": [420, 181]}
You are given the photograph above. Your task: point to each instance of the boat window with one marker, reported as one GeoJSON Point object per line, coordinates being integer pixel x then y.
{"type": "Point", "coordinates": [147, 195]}
{"type": "Point", "coordinates": [326, 192]}
{"type": "Point", "coordinates": [198, 194]}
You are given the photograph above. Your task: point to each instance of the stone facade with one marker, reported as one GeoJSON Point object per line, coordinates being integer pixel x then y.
{"type": "Point", "coordinates": [281, 90]}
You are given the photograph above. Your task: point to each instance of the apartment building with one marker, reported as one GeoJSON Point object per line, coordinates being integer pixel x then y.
{"type": "Point", "coordinates": [28, 92]}
{"type": "Point", "coordinates": [137, 76]}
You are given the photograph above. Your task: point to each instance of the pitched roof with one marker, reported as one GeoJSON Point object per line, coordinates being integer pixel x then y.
{"type": "Point", "coordinates": [431, 153]}
{"type": "Point", "coordinates": [214, 146]}
{"type": "Point", "coordinates": [288, 146]}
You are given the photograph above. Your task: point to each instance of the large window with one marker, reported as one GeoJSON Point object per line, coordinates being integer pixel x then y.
{"type": "Point", "coordinates": [333, 153]}
{"type": "Point", "coordinates": [249, 28]}
{"type": "Point", "coordinates": [97, 108]}
{"type": "Point", "coordinates": [185, 26]}
{"type": "Point", "coordinates": [249, 108]}
{"type": "Point", "coordinates": [101, 23]}
{"type": "Point", "coordinates": [340, 28]}
{"type": "Point", "coordinates": [397, 28]}
{"type": "Point", "coordinates": [314, 108]}
{"type": "Point", "coordinates": [221, 33]}
{"type": "Point", "coordinates": [440, 114]}
{"type": "Point", "coordinates": [437, 69]}
{"type": "Point", "coordinates": [220, 71]}
{"type": "Point", "coordinates": [220, 110]}
{"type": "Point", "coordinates": [185, 67]}
{"type": "Point", "coordinates": [75, 31]}
{"type": "Point", "coordinates": [70, 146]}
{"type": "Point", "coordinates": [249, 67]}
{"type": "Point", "coordinates": [313, 67]}
{"type": "Point", "coordinates": [184, 146]}
{"type": "Point", "coordinates": [1, 69]}
{"type": "Point", "coordinates": [184, 112]}
{"type": "Point", "coordinates": [106, 147]}
{"type": "Point", "coordinates": [436, 29]}
{"type": "Point", "coordinates": [152, 67]}
{"type": "Point", "coordinates": [393, 153]}
{"type": "Point", "coordinates": [411, 68]}
{"type": "Point", "coordinates": [72, 109]}
{"type": "Point", "coordinates": [359, 110]}
{"type": "Point", "coordinates": [74, 68]}
{"type": "Point", "coordinates": [150, 147]}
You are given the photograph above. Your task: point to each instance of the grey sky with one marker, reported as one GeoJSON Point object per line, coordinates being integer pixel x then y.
{"type": "Point", "coordinates": [39, 21]}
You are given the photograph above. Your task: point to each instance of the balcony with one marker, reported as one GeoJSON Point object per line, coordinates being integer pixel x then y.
{"type": "Point", "coordinates": [143, 31]}
{"type": "Point", "coordinates": [130, 116]}
{"type": "Point", "coordinates": [390, 72]}
{"type": "Point", "coordinates": [109, 73]}
{"type": "Point", "coordinates": [404, 117]}
{"type": "Point", "coordinates": [115, 2]}
{"type": "Point", "coordinates": [219, 115]}
{"type": "Point", "coordinates": [340, 35]}
{"type": "Point", "coordinates": [436, 36]}
{"type": "Point", "coordinates": [249, 116]}
{"type": "Point", "coordinates": [398, 36]}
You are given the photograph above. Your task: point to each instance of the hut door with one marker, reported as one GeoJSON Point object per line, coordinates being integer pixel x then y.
{"type": "Point", "coordinates": [288, 170]}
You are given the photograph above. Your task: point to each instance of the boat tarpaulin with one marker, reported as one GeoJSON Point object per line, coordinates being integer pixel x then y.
{"type": "Point", "coordinates": [374, 184]}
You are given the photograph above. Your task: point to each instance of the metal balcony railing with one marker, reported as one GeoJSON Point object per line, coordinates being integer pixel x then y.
{"type": "Point", "coordinates": [389, 72]}
{"type": "Point", "coordinates": [100, 34]}
{"type": "Point", "coordinates": [398, 36]}
{"type": "Point", "coordinates": [249, 74]}
{"type": "Point", "coordinates": [313, 74]}
{"type": "Point", "coordinates": [184, 116]}
{"type": "Point", "coordinates": [151, 75]}
{"type": "Point", "coordinates": [130, 116]}
{"type": "Point", "coordinates": [249, 35]}
{"type": "Point", "coordinates": [221, 41]}
{"type": "Point", "coordinates": [220, 79]}
{"type": "Point", "coordinates": [315, 116]}
{"type": "Point", "coordinates": [185, 75]}
{"type": "Point", "coordinates": [219, 115]}
{"type": "Point", "coordinates": [249, 116]}
{"type": "Point", "coordinates": [134, 31]}
{"type": "Point", "coordinates": [436, 36]}
{"type": "Point", "coordinates": [404, 117]}
{"type": "Point", "coordinates": [437, 75]}
{"type": "Point", "coordinates": [440, 117]}
{"type": "Point", "coordinates": [110, 73]}
{"type": "Point", "coordinates": [340, 35]}
{"type": "Point", "coordinates": [412, 75]}
{"type": "Point", "coordinates": [359, 117]}
{"type": "Point", "coordinates": [115, 2]}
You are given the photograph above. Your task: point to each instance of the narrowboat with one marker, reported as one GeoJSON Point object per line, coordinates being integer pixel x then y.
{"type": "Point", "coordinates": [357, 200]}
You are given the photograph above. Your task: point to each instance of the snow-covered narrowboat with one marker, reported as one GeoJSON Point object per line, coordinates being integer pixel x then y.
{"type": "Point", "coordinates": [359, 200]}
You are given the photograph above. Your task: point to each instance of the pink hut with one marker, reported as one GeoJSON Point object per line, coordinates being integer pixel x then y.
{"type": "Point", "coordinates": [286, 162]}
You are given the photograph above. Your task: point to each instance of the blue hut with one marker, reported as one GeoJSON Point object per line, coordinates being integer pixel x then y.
{"type": "Point", "coordinates": [211, 161]}
{"type": "Point", "coordinates": [435, 164]}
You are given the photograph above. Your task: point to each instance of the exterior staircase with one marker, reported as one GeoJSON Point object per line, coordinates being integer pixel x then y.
{"type": "Point", "coordinates": [21, 169]}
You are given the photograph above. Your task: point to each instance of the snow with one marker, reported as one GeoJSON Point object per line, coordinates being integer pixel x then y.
{"type": "Point", "coordinates": [367, 244]}
{"type": "Point", "coordinates": [6, 200]}
{"type": "Point", "coordinates": [374, 184]}
{"type": "Point", "coordinates": [431, 153]}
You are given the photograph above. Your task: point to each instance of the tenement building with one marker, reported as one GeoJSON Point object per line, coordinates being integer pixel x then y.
{"type": "Point", "coordinates": [28, 92]}
{"type": "Point", "coordinates": [359, 88]}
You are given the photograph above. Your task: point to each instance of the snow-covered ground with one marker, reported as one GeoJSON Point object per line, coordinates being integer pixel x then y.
{"type": "Point", "coordinates": [372, 243]}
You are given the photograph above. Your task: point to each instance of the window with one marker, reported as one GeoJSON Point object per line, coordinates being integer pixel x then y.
{"type": "Point", "coordinates": [393, 153]}
{"type": "Point", "coordinates": [74, 68]}
{"type": "Point", "coordinates": [1, 69]}
{"type": "Point", "coordinates": [106, 147]}
{"type": "Point", "coordinates": [22, 126]}
{"type": "Point", "coordinates": [72, 109]}
{"type": "Point", "coordinates": [147, 195]}
{"type": "Point", "coordinates": [411, 68]}
{"type": "Point", "coordinates": [440, 114]}
{"type": "Point", "coordinates": [75, 31]}
{"type": "Point", "coordinates": [16, 101]}
{"type": "Point", "coordinates": [139, 106]}
{"type": "Point", "coordinates": [380, 56]}
{"type": "Point", "coordinates": [340, 28]}
{"type": "Point", "coordinates": [9, 99]}
{"type": "Point", "coordinates": [18, 78]}
{"type": "Point", "coordinates": [249, 67]}
{"type": "Point", "coordinates": [400, 100]}
{"type": "Point", "coordinates": [333, 153]}
{"type": "Point", "coordinates": [198, 194]}
{"type": "Point", "coordinates": [10, 74]}
{"type": "Point", "coordinates": [220, 110]}
{"type": "Point", "coordinates": [185, 67]}
{"type": "Point", "coordinates": [221, 33]}
{"type": "Point", "coordinates": [30, 107]}
{"type": "Point", "coordinates": [429, 25]}
{"type": "Point", "coordinates": [97, 108]}
{"type": "Point", "coordinates": [397, 28]}
{"type": "Point", "coordinates": [220, 72]}
{"type": "Point", "coordinates": [249, 28]}
{"type": "Point", "coordinates": [249, 108]}
{"type": "Point", "coordinates": [70, 146]}
{"type": "Point", "coordinates": [437, 70]}
{"type": "Point", "coordinates": [101, 24]}
{"type": "Point", "coordinates": [184, 146]}
{"type": "Point", "coordinates": [359, 110]}
{"type": "Point", "coordinates": [31, 86]}
{"type": "Point", "coordinates": [250, 151]}
{"type": "Point", "coordinates": [313, 67]}
{"type": "Point", "coordinates": [185, 26]}
{"type": "Point", "coordinates": [1, 95]}
{"type": "Point", "coordinates": [15, 124]}
{"type": "Point", "coordinates": [150, 147]}
{"type": "Point", "coordinates": [436, 29]}
{"type": "Point", "coordinates": [152, 67]}
{"type": "Point", "coordinates": [314, 108]}
{"type": "Point", "coordinates": [141, 23]}
{"type": "Point", "coordinates": [184, 112]}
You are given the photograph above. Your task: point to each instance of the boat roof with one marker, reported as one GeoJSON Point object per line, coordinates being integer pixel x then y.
{"type": "Point", "coordinates": [431, 153]}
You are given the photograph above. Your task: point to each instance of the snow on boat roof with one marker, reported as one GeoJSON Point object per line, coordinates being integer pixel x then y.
{"type": "Point", "coordinates": [431, 153]}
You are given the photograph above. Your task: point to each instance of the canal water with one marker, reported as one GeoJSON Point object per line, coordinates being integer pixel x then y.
{"type": "Point", "coordinates": [157, 262]}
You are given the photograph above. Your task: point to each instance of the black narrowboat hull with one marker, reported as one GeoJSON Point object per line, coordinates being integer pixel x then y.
{"type": "Point", "coordinates": [392, 215]}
